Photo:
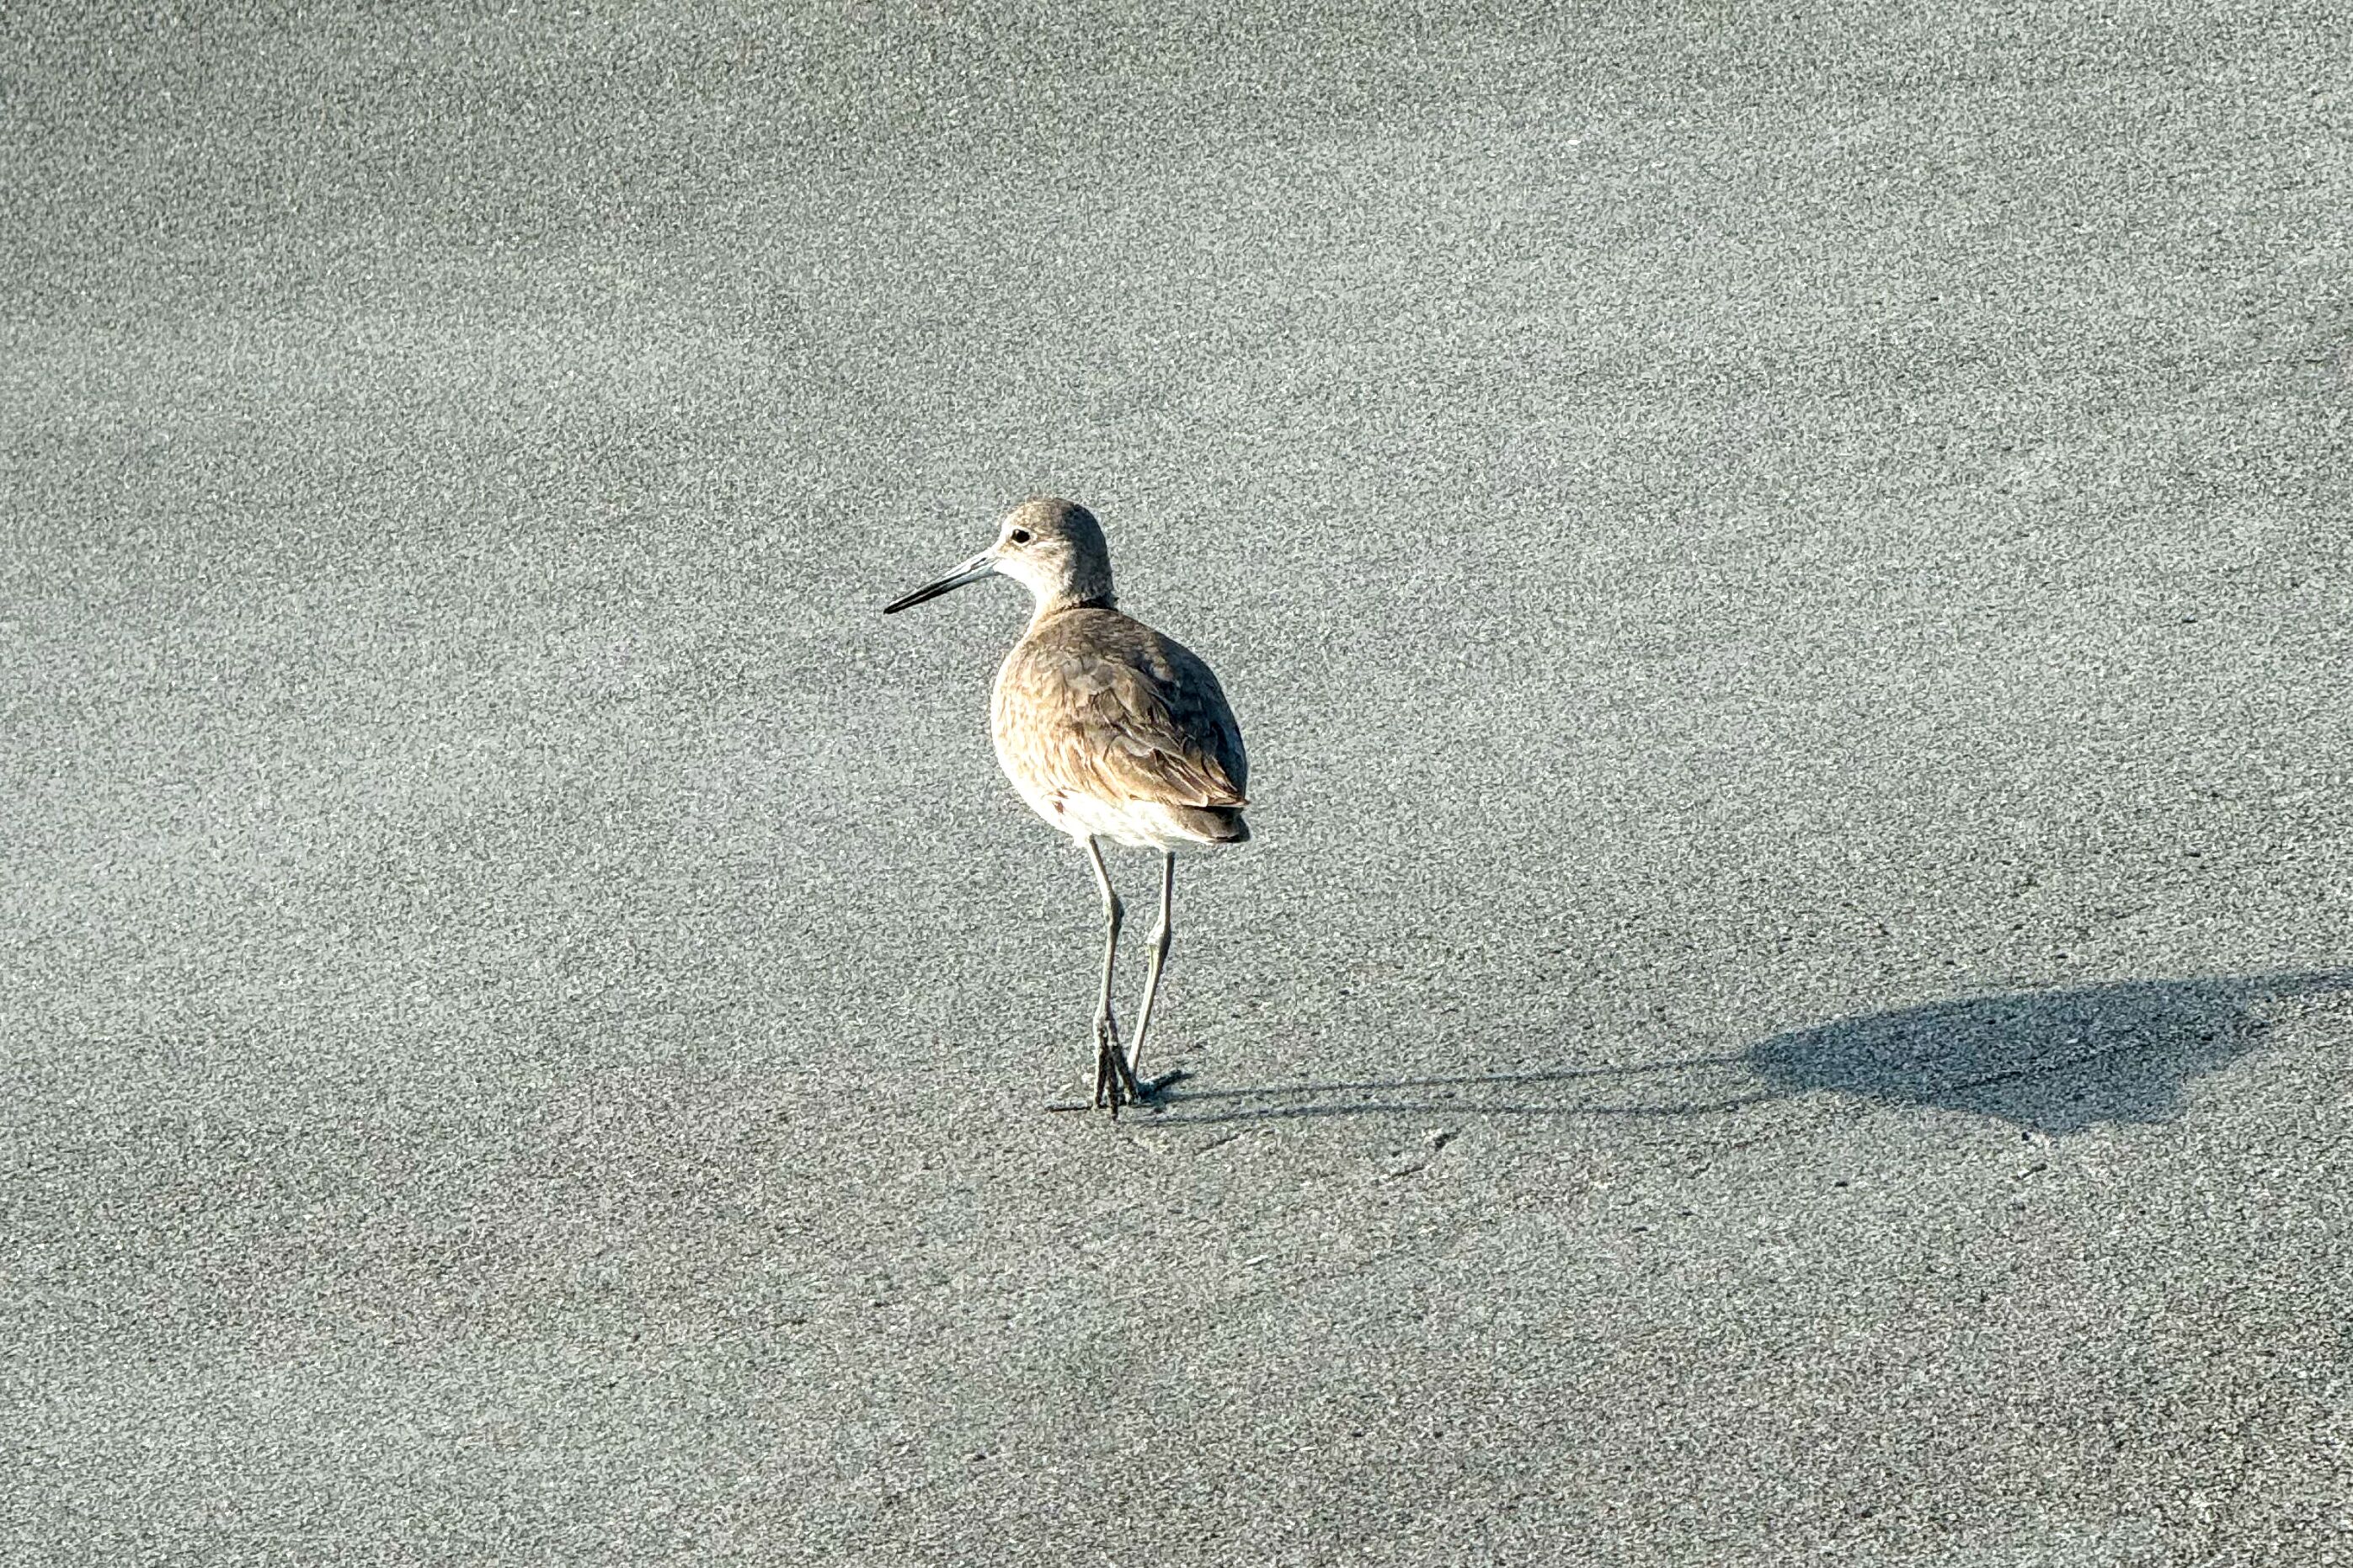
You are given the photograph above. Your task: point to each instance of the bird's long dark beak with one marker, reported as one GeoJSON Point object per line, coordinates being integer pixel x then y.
{"type": "Point", "coordinates": [971, 570]}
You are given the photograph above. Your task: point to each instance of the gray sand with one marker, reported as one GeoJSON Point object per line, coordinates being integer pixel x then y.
{"type": "Point", "coordinates": [1787, 579]}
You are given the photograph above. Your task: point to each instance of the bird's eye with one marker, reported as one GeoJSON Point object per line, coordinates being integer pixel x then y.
{"type": "Point", "coordinates": [1019, 536]}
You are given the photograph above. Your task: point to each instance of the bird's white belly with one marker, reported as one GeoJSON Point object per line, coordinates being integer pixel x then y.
{"type": "Point", "coordinates": [1143, 823]}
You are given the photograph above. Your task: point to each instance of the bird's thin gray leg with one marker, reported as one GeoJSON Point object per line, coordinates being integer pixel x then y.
{"type": "Point", "coordinates": [1114, 1082]}
{"type": "Point", "coordinates": [1160, 936]}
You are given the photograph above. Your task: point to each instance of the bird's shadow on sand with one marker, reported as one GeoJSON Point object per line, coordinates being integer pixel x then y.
{"type": "Point", "coordinates": [2054, 1061]}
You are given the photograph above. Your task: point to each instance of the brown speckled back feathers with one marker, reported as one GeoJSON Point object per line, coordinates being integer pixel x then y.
{"type": "Point", "coordinates": [1096, 703]}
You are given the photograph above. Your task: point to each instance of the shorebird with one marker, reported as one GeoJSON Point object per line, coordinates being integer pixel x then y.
{"type": "Point", "coordinates": [1108, 730]}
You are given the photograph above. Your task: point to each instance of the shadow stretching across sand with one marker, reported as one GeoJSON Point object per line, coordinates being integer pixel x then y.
{"type": "Point", "coordinates": [2054, 1061]}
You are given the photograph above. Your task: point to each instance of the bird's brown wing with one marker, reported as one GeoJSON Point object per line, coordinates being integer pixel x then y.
{"type": "Point", "coordinates": [1124, 713]}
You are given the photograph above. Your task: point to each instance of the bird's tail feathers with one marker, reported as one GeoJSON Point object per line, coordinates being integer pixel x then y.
{"type": "Point", "coordinates": [1212, 824]}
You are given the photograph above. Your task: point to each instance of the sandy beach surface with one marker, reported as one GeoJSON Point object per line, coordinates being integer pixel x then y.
{"type": "Point", "coordinates": [1786, 573]}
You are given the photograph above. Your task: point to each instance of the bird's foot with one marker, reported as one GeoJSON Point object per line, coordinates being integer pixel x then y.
{"type": "Point", "coordinates": [1114, 1083]}
{"type": "Point", "coordinates": [1143, 1090]}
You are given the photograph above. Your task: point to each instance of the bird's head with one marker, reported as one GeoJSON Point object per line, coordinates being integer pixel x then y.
{"type": "Point", "coordinates": [1052, 547]}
